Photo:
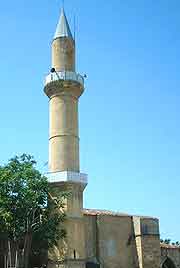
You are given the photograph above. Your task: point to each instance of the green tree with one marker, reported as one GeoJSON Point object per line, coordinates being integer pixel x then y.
{"type": "Point", "coordinates": [169, 242]}
{"type": "Point", "coordinates": [27, 223]}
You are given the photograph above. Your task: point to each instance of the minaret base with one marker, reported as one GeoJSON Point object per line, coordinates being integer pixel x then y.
{"type": "Point", "coordinates": [70, 252]}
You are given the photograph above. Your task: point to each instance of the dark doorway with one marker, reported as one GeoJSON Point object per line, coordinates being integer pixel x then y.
{"type": "Point", "coordinates": [168, 263]}
{"type": "Point", "coordinates": [92, 265]}
{"type": "Point", "coordinates": [2, 261]}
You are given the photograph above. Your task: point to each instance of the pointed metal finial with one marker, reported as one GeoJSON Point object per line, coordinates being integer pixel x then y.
{"type": "Point", "coordinates": [63, 29]}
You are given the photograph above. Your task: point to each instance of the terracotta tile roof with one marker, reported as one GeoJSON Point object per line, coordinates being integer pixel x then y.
{"type": "Point", "coordinates": [164, 245]}
{"type": "Point", "coordinates": [94, 212]}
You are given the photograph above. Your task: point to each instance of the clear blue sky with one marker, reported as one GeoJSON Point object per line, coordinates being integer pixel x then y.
{"type": "Point", "coordinates": [129, 113]}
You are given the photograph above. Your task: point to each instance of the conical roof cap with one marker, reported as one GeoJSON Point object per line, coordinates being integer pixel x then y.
{"type": "Point", "coordinates": [63, 29]}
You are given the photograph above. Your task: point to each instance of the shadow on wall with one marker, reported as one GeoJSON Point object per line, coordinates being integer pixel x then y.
{"type": "Point", "coordinates": [168, 263]}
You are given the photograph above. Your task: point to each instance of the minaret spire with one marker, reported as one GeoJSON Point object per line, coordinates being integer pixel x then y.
{"type": "Point", "coordinates": [63, 29]}
{"type": "Point", "coordinates": [63, 46]}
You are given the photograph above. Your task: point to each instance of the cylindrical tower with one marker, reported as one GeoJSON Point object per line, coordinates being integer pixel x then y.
{"type": "Point", "coordinates": [64, 86]}
{"type": "Point", "coordinates": [63, 54]}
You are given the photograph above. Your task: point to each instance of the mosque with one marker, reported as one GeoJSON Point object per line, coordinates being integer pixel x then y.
{"type": "Point", "coordinates": [95, 238]}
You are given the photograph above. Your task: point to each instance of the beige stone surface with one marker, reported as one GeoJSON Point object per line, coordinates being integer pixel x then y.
{"type": "Point", "coordinates": [63, 126]}
{"type": "Point", "coordinates": [147, 240]}
{"type": "Point", "coordinates": [91, 240]}
{"type": "Point", "coordinates": [71, 249]}
{"type": "Point", "coordinates": [63, 129]}
{"type": "Point", "coordinates": [107, 240]}
{"type": "Point", "coordinates": [75, 238]}
{"type": "Point", "coordinates": [64, 138]}
{"type": "Point", "coordinates": [114, 233]}
{"type": "Point", "coordinates": [63, 54]}
{"type": "Point", "coordinates": [120, 240]}
{"type": "Point", "coordinates": [64, 153]}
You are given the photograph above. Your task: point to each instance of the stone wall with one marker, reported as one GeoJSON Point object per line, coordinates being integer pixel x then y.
{"type": "Point", "coordinates": [109, 240]}
{"type": "Point", "coordinates": [120, 240]}
{"type": "Point", "coordinates": [147, 241]}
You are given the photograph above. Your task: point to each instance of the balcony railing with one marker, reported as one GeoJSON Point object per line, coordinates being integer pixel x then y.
{"type": "Point", "coordinates": [66, 75]}
{"type": "Point", "coordinates": [67, 176]}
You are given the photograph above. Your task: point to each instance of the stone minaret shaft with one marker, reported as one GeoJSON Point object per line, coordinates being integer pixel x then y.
{"type": "Point", "coordinates": [64, 135]}
{"type": "Point", "coordinates": [64, 139]}
{"type": "Point", "coordinates": [64, 86]}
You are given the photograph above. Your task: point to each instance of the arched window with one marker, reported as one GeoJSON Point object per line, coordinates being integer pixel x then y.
{"type": "Point", "coordinates": [168, 263]}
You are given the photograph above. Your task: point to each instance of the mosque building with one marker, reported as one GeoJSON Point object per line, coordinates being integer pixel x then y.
{"type": "Point", "coordinates": [95, 238]}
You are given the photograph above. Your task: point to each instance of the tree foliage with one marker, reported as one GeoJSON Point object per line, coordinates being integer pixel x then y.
{"type": "Point", "coordinates": [26, 205]}
{"type": "Point", "coordinates": [168, 241]}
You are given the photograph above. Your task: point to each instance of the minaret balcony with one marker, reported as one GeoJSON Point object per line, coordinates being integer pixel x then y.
{"type": "Point", "coordinates": [64, 76]}
{"type": "Point", "coordinates": [67, 176]}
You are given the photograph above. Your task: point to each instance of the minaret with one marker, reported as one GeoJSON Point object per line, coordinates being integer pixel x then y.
{"type": "Point", "coordinates": [64, 86]}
